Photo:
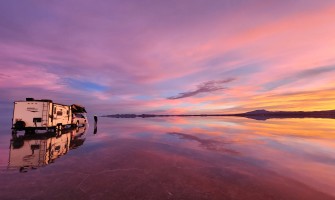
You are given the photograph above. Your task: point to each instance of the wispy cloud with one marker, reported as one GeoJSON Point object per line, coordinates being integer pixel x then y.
{"type": "Point", "coordinates": [209, 86]}
{"type": "Point", "coordinates": [309, 73]}
{"type": "Point", "coordinates": [3, 76]}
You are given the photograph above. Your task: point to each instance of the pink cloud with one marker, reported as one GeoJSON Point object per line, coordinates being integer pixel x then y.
{"type": "Point", "coordinates": [131, 52]}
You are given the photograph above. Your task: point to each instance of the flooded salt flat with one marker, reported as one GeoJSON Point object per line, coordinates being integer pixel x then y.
{"type": "Point", "coordinates": [173, 158]}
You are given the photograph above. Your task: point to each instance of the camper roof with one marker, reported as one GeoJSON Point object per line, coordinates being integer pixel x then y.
{"type": "Point", "coordinates": [32, 99]}
{"type": "Point", "coordinates": [43, 100]}
{"type": "Point", "coordinates": [40, 100]}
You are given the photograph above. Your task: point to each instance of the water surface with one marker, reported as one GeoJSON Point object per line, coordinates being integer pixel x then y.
{"type": "Point", "coordinates": [174, 158]}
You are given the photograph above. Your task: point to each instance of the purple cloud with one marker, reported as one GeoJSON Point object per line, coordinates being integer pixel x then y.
{"type": "Point", "coordinates": [116, 55]}
{"type": "Point", "coordinates": [209, 86]}
{"type": "Point", "coordinates": [3, 76]}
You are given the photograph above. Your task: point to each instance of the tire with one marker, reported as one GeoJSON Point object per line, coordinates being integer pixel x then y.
{"type": "Point", "coordinates": [20, 125]}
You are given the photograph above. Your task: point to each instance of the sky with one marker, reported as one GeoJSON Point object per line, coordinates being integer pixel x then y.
{"type": "Point", "coordinates": [176, 56]}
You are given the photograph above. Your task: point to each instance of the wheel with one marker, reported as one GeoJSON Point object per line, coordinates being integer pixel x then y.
{"type": "Point", "coordinates": [20, 125]}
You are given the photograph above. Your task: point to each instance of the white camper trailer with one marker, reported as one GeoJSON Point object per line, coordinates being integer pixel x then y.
{"type": "Point", "coordinates": [40, 114]}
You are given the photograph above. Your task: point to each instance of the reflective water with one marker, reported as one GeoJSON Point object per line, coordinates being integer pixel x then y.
{"type": "Point", "coordinates": [173, 158]}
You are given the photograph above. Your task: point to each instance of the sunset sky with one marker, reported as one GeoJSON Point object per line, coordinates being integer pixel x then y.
{"type": "Point", "coordinates": [175, 56]}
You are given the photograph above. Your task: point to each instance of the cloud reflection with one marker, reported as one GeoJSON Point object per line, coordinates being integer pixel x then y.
{"type": "Point", "coordinates": [210, 144]}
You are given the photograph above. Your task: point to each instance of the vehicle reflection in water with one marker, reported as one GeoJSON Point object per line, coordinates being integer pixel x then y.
{"type": "Point", "coordinates": [30, 151]}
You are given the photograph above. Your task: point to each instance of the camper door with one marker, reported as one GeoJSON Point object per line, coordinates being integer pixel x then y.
{"type": "Point", "coordinates": [61, 115]}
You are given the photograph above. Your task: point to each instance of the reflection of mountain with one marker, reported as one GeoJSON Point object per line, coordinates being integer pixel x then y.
{"type": "Point", "coordinates": [31, 151]}
{"type": "Point", "coordinates": [213, 145]}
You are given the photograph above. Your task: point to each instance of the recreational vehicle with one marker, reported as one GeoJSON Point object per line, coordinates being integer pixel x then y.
{"type": "Point", "coordinates": [40, 114]}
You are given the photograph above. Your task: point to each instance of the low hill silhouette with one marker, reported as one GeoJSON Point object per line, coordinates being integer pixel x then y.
{"type": "Point", "coordinates": [256, 114]}
{"type": "Point", "coordinates": [264, 114]}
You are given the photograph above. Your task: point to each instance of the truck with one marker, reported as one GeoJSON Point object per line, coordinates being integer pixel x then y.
{"type": "Point", "coordinates": [41, 114]}
{"type": "Point", "coordinates": [79, 117]}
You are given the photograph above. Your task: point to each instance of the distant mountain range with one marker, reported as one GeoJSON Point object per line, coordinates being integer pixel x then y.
{"type": "Point", "coordinates": [264, 114]}
{"type": "Point", "coordinates": [256, 114]}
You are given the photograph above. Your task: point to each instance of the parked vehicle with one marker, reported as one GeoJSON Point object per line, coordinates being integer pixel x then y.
{"type": "Point", "coordinates": [79, 119]}
{"type": "Point", "coordinates": [78, 115]}
{"type": "Point", "coordinates": [40, 114]}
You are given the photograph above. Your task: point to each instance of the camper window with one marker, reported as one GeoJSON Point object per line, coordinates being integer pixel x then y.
{"type": "Point", "coordinates": [59, 113]}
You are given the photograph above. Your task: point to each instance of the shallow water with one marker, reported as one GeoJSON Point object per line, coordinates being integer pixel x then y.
{"type": "Point", "coordinates": [173, 158]}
